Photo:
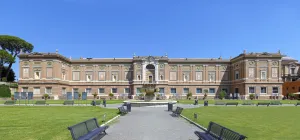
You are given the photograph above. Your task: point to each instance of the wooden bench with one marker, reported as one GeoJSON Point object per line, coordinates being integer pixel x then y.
{"type": "Point", "coordinates": [69, 102]}
{"type": "Point", "coordinates": [178, 111]}
{"type": "Point", "coordinates": [298, 103]}
{"type": "Point", "coordinates": [10, 102]}
{"type": "Point", "coordinates": [247, 103]}
{"type": "Point", "coordinates": [232, 103]}
{"type": "Point", "coordinates": [220, 103]}
{"type": "Point", "coordinates": [216, 131]}
{"type": "Point", "coordinates": [87, 130]}
{"type": "Point", "coordinates": [122, 110]}
{"type": "Point", "coordinates": [40, 103]}
{"type": "Point", "coordinates": [262, 103]}
{"type": "Point", "coordinates": [275, 103]}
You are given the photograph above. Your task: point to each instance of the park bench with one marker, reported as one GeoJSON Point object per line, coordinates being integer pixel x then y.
{"type": "Point", "coordinates": [10, 102]}
{"type": "Point", "coordinates": [247, 103]}
{"type": "Point", "coordinates": [275, 103]}
{"type": "Point", "coordinates": [122, 110]}
{"type": "Point", "coordinates": [220, 103]}
{"type": "Point", "coordinates": [232, 103]}
{"type": "Point", "coordinates": [216, 131]}
{"type": "Point", "coordinates": [262, 103]}
{"type": "Point", "coordinates": [40, 103]}
{"type": "Point", "coordinates": [178, 111]}
{"type": "Point", "coordinates": [298, 103]}
{"type": "Point", "coordinates": [69, 102]}
{"type": "Point", "coordinates": [87, 130]}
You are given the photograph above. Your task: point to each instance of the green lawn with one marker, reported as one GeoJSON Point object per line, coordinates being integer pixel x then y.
{"type": "Point", "coordinates": [62, 101]}
{"type": "Point", "coordinates": [257, 123]}
{"type": "Point", "coordinates": [46, 123]}
{"type": "Point", "coordinates": [240, 101]}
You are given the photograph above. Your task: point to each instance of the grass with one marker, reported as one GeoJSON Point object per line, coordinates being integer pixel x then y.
{"type": "Point", "coordinates": [239, 101]}
{"type": "Point", "coordinates": [257, 123]}
{"type": "Point", "coordinates": [62, 101]}
{"type": "Point", "coordinates": [46, 123]}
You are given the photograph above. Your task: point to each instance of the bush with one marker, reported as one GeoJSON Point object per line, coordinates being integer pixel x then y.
{"type": "Point", "coordinates": [189, 95]}
{"type": "Point", "coordinates": [111, 95]}
{"type": "Point", "coordinates": [251, 96]}
{"type": "Point", "coordinates": [5, 91]}
{"type": "Point", "coordinates": [222, 94]}
{"type": "Point", "coordinates": [4, 79]}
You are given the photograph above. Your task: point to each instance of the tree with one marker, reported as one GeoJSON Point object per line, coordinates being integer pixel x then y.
{"type": "Point", "coordinates": [222, 95]}
{"type": "Point", "coordinates": [5, 91]}
{"type": "Point", "coordinates": [46, 96]}
{"type": "Point", "coordinates": [5, 58]}
{"type": "Point", "coordinates": [11, 77]}
{"type": "Point", "coordinates": [189, 95]}
{"type": "Point", "coordinates": [14, 45]}
{"type": "Point", "coordinates": [111, 95]}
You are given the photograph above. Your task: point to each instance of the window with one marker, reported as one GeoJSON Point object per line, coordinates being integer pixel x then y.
{"type": "Point", "coordinates": [292, 70]}
{"type": "Point", "coordinates": [263, 75]}
{"type": "Point", "coordinates": [75, 90]}
{"type": "Point", "coordinates": [251, 90]}
{"type": "Point", "coordinates": [88, 90]}
{"type": "Point", "coordinates": [185, 90]}
{"type": "Point", "coordinates": [114, 90]}
{"type": "Point", "coordinates": [274, 72]}
{"type": "Point", "coordinates": [173, 75]}
{"type": "Point", "coordinates": [237, 75]}
{"type": "Point", "coordinates": [212, 76]}
{"type": "Point", "coordinates": [185, 77]}
{"type": "Point", "coordinates": [138, 90]}
{"type": "Point", "coordinates": [275, 89]}
{"type": "Point", "coordinates": [76, 75]}
{"type": "Point", "coordinates": [236, 90]}
{"type": "Point", "coordinates": [89, 77]}
{"type": "Point", "coordinates": [36, 90]}
{"type": "Point", "coordinates": [127, 90]}
{"type": "Point", "coordinates": [48, 90]}
{"type": "Point", "coordinates": [37, 75]}
{"type": "Point", "coordinates": [212, 90]}
{"type": "Point", "coordinates": [101, 91]}
{"type": "Point", "coordinates": [101, 76]}
{"type": "Point", "coordinates": [25, 89]}
{"type": "Point", "coordinates": [199, 75]}
{"type": "Point", "coordinates": [263, 90]}
{"type": "Point", "coordinates": [63, 91]}
{"type": "Point", "coordinates": [25, 72]}
{"type": "Point", "coordinates": [161, 90]}
{"type": "Point", "coordinates": [173, 90]}
{"type": "Point", "coordinates": [49, 72]}
{"type": "Point", "coordinates": [198, 90]}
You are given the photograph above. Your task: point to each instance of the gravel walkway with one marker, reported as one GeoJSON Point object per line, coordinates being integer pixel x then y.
{"type": "Point", "coordinates": [151, 123]}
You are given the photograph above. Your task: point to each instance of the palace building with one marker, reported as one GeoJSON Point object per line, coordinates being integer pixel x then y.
{"type": "Point", "coordinates": [258, 73]}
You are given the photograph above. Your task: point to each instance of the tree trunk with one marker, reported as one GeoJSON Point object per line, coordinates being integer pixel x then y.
{"type": "Point", "coordinates": [8, 70]}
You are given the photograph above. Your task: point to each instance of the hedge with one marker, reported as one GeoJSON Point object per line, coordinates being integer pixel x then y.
{"type": "Point", "coordinates": [4, 91]}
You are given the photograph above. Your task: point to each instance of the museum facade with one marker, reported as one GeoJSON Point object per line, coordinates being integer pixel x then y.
{"type": "Point", "coordinates": [247, 73]}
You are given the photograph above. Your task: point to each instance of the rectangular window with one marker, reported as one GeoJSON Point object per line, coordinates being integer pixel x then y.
{"type": "Point", "coordinates": [263, 75]}
{"type": "Point", "coordinates": [25, 89]}
{"type": "Point", "coordinates": [25, 72]}
{"type": "Point", "coordinates": [76, 75]}
{"type": "Point", "coordinates": [75, 90]}
{"type": "Point", "coordinates": [101, 91]}
{"type": "Point", "coordinates": [251, 72]}
{"type": "Point", "coordinates": [102, 76]}
{"type": "Point", "coordinates": [36, 90]}
{"type": "Point", "coordinates": [199, 75]}
{"type": "Point", "coordinates": [251, 90]}
{"type": "Point", "coordinates": [127, 90]}
{"type": "Point", "coordinates": [48, 90]}
{"type": "Point", "coordinates": [275, 89]}
{"type": "Point", "coordinates": [173, 90]}
{"type": "Point", "coordinates": [173, 75]}
{"type": "Point", "coordinates": [49, 72]}
{"type": "Point", "coordinates": [263, 90]}
{"type": "Point", "coordinates": [37, 75]}
{"type": "Point", "coordinates": [138, 90]}
{"type": "Point", "coordinates": [161, 90]}
{"type": "Point", "coordinates": [237, 76]}
{"type": "Point", "coordinates": [185, 90]}
{"type": "Point", "coordinates": [88, 90]}
{"type": "Point", "coordinates": [198, 90]}
{"type": "Point", "coordinates": [114, 90]}
{"type": "Point", "coordinates": [293, 70]}
{"type": "Point", "coordinates": [212, 90]}
{"type": "Point", "coordinates": [274, 72]}
{"type": "Point", "coordinates": [212, 76]}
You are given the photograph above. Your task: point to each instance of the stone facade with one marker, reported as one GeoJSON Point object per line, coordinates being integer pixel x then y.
{"type": "Point", "coordinates": [52, 73]}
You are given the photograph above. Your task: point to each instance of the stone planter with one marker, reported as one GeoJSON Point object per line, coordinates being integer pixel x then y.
{"type": "Point", "coordinates": [149, 98]}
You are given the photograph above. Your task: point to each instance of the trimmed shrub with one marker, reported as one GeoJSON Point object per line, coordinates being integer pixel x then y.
{"type": "Point", "coordinates": [5, 91]}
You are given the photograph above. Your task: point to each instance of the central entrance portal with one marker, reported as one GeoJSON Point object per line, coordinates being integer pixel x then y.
{"type": "Point", "coordinates": [150, 79]}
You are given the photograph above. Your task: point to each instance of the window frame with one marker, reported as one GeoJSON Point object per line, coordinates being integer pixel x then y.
{"type": "Point", "coordinates": [211, 92]}
{"type": "Point", "coordinates": [173, 92]}
{"type": "Point", "coordinates": [201, 91]}
{"type": "Point", "coordinates": [261, 90]}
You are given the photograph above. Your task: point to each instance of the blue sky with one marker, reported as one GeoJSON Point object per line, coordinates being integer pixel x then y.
{"type": "Point", "coordinates": [181, 28]}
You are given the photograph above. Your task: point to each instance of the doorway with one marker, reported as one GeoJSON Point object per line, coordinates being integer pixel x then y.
{"type": "Point", "coordinates": [150, 79]}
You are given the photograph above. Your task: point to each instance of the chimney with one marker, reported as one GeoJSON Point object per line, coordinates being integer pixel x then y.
{"type": "Point", "coordinates": [244, 51]}
{"type": "Point", "coordinates": [230, 57]}
{"type": "Point", "coordinates": [56, 51]}
{"type": "Point", "coordinates": [279, 52]}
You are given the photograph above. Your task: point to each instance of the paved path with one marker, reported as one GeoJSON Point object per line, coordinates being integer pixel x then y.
{"type": "Point", "coordinates": [151, 123]}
